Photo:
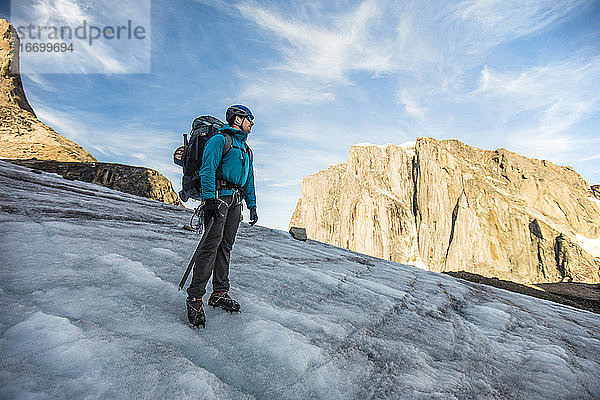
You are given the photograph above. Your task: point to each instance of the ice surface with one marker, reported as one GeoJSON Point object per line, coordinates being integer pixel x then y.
{"type": "Point", "coordinates": [90, 309]}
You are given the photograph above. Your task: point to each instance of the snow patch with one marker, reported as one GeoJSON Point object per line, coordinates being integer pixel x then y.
{"type": "Point", "coordinates": [595, 201]}
{"type": "Point", "coordinates": [387, 194]}
{"type": "Point", "coordinates": [489, 178]}
{"type": "Point", "coordinates": [592, 246]}
{"type": "Point", "coordinates": [418, 262]}
{"type": "Point", "coordinates": [135, 271]}
{"type": "Point", "coordinates": [409, 146]}
{"type": "Point", "coordinates": [287, 349]}
{"type": "Point", "coordinates": [48, 342]}
{"type": "Point", "coordinates": [367, 144]}
{"type": "Point", "coordinates": [166, 253]}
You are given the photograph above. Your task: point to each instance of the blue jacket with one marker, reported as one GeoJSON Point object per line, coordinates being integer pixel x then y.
{"type": "Point", "coordinates": [235, 167]}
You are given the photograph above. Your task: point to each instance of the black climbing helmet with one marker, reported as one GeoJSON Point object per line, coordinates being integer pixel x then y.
{"type": "Point", "coordinates": [239, 110]}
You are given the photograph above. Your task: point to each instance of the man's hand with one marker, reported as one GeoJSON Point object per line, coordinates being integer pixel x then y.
{"type": "Point", "coordinates": [253, 216]}
{"type": "Point", "coordinates": [211, 209]}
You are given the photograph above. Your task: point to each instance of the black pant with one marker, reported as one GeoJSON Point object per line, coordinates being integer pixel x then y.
{"type": "Point", "coordinates": [213, 257]}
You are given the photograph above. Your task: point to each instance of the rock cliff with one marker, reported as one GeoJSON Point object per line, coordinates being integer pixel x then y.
{"type": "Point", "coordinates": [27, 141]}
{"type": "Point", "coordinates": [447, 206]}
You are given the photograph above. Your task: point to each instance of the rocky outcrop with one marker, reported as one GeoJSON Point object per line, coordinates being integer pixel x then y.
{"type": "Point", "coordinates": [447, 206]}
{"type": "Point", "coordinates": [138, 181]}
{"type": "Point", "coordinates": [298, 233]}
{"type": "Point", "coordinates": [22, 135]}
{"type": "Point", "coordinates": [585, 296]}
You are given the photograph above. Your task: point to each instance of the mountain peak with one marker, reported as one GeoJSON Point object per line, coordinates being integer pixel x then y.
{"type": "Point", "coordinates": [11, 87]}
{"type": "Point", "coordinates": [453, 207]}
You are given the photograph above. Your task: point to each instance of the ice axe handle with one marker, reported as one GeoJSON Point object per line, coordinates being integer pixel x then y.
{"type": "Point", "coordinates": [192, 261]}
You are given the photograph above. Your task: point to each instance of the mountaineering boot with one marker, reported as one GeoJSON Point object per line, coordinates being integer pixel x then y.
{"type": "Point", "coordinates": [223, 300]}
{"type": "Point", "coordinates": [195, 311]}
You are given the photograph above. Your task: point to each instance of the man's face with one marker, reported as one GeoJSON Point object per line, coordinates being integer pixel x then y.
{"type": "Point", "coordinates": [246, 125]}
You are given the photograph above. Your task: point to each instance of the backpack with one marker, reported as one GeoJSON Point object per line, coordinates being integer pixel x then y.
{"type": "Point", "coordinates": [189, 156]}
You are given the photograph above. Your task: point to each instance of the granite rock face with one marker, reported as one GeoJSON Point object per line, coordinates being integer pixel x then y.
{"type": "Point", "coordinates": [447, 206]}
{"type": "Point", "coordinates": [138, 181]}
{"type": "Point", "coordinates": [22, 135]}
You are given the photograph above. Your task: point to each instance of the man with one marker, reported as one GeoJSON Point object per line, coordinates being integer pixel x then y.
{"type": "Point", "coordinates": [225, 180]}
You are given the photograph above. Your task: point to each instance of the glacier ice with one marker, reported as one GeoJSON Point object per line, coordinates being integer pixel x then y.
{"type": "Point", "coordinates": [90, 309]}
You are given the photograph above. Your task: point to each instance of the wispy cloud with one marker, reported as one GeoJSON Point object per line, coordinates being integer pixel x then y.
{"type": "Point", "coordinates": [591, 158]}
{"type": "Point", "coordinates": [103, 55]}
{"type": "Point", "coordinates": [323, 75]}
{"type": "Point", "coordinates": [268, 89]}
{"type": "Point", "coordinates": [411, 105]}
{"type": "Point", "coordinates": [488, 23]}
{"type": "Point", "coordinates": [116, 139]}
{"type": "Point", "coordinates": [540, 108]}
{"type": "Point", "coordinates": [319, 51]}
{"type": "Point", "coordinates": [330, 51]}
{"type": "Point", "coordinates": [436, 44]}
{"type": "Point", "coordinates": [39, 81]}
{"type": "Point", "coordinates": [556, 95]}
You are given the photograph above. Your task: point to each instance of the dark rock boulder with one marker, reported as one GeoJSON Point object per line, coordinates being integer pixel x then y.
{"type": "Point", "coordinates": [138, 181]}
{"type": "Point", "coordinates": [298, 233]}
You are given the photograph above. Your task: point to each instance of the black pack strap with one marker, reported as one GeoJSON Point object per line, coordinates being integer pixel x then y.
{"type": "Point", "coordinates": [223, 184]}
{"type": "Point", "coordinates": [228, 142]}
{"type": "Point", "coordinates": [246, 150]}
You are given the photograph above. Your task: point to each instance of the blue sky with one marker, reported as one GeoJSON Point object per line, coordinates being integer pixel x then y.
{"type": "Point", "coordinates": [321, 76]}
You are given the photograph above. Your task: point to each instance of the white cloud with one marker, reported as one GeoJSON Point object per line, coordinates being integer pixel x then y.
{"type": "Point", "coordinates": [411, 105]}
{"type": "Point", "coordinates": [327, 52]}
{"type": "Point", "coordinates": [140, 156]}
{"type": "Point", "coordinates": [434, 43]}
{"type": "Point", "coordinates": [37, 80]}
{"type": "Point", "coordinates": [319, 51]}
{"type": "Point", "coordinates": [62, 122]}
{"type": "Point", "coordinates": [591, 158]}
{"type": "Point", "coordinates": [277, 89]}
{"type": "Point", "coordinates": [102, 55]}
{"type": "Point", "coordinates": [488, 23]}
{"type": "Point", "coordinates": [556, 95]}
{"type": "Point", "coordinates": [124, 139]}
{"type": "Point", "coordinates": [540, 109]}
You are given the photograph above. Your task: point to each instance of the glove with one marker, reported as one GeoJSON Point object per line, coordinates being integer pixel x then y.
{"type": "Point", "coordinates": [253, 216]}
{"type": "Point", "coordinates": [210, 209]}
